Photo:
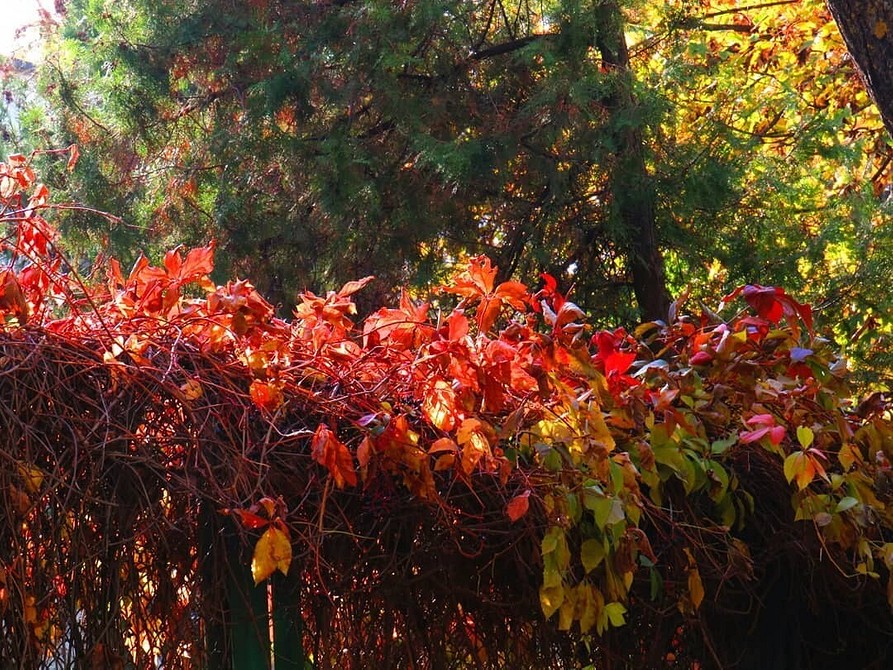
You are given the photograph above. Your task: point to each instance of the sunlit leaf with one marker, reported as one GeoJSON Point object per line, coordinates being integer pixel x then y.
{"type": "Point", "coordinates": [805, 436]}
{"type": "Point", "coordinates": [328, 451]}
{"type": "Point", "coordinates": [271, 553]}
{"type": "Point", "coordinates": [439, 405]}
{"type": "Point", "coordinates": [266, 395]}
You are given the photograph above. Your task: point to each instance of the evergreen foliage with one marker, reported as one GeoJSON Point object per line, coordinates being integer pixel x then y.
{"type": "Point", "coordinates": [323, 141]}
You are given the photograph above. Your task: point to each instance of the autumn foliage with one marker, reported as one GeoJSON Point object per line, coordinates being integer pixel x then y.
{"type": "Point", "coordinates": [491, 483]}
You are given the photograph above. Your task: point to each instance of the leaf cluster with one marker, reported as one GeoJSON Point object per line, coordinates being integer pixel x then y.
{"type": "Point", "coordinates": [651, 468]}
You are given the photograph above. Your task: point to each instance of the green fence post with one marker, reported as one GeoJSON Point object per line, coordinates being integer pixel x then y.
{"type": "Point", "coordinates": [209, 562]}
{"type": "Point", "coordinates": [288, 647]}
{"type": "Point", "coordinates": [249, 619]}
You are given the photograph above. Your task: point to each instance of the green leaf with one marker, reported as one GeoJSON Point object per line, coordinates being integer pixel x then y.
{"type": "Point", "coordinates": [805, 437]}
{"type": "Point", "coordinates": [846, 503]}
{"type": "Point", "coordinates": [721, 446]}
{"type": "Point", "coordinates": [592, 552]}
{"type": "Point", "coordinates": [607, 511]}
{"type": "Point", "coordinates": [657, 584]}
{"type": "Point", "coordinates": [550, 540]}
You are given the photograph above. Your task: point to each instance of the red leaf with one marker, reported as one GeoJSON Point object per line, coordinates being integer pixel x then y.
{"type": "Point", "coordinates": [248, 519]}
{"type": "Point", "coordinates": [612, 359]}
{"type": "Point", "coordinates": [701, 358]}
{"type": "Point", "coordinates": [752, 436]}
{"type": "Point", "coordinates": [764, 300]}
{"type": "Point", "coordinates": [518, 506]}
{"type": "Point", "coordinates": [328, 451]}
{"type": "Point", "coordinates": [551, 284]}
{"type": "Point", "coordinates": [773, 304]}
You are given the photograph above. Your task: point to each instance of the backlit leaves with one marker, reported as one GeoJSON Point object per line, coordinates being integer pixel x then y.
{"type": "Point", "coordinates": [328, 451]}
{"type": "Point", "coordinates": [271, 553]}
{"type": "Point", "coordinates": [601, 430]}
{"type": "Point", "coordinates": [476, 285]}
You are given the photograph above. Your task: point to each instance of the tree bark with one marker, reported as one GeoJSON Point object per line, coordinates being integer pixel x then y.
{"type": "Point", "coordinates": [632, 188]}
{"type": "Point", "coordinates": [867, 29]}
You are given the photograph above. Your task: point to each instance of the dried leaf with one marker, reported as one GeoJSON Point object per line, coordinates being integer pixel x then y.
{"type": "Point", "coordinates": [191, 389]}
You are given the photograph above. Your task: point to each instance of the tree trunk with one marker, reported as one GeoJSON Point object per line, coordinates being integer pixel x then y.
{"type": "Point", "coordinates": [867, 29]}
{"type": "Point", "coordinates": [632, 189]}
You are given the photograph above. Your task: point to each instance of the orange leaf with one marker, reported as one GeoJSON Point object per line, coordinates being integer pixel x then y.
{"type": "Point", "coordinates": [515, 294]}
{"type": "Point", "coordinates": [327, 450]}
{"type": "Point", "coordinates": [477, 279]}
{"type": "Point", "coordinates": [444, 462]}
{"type": "Point", "coordinates": [266, 395]}
{"type": "Point", "coordinates": [475, 445]}
{"type": "Point", "coordinates": [443, 444]}
{"type": "Point", "coordinates": [364, 452]}
{"type": "Point", "coordinates": [199, 262]}
{"type": "Point", "coordinates": [352, 287]}
{"type": "Point", "coordinates": [439, 405]}
{"type": "Point", "coordinates": [487, 313]}
{"type": "Point", "coordinates": [272, 552]}
{"type": "Point", "coordinates": [518, 506]}
{"type": "Point", "coordinates": [12, 299]}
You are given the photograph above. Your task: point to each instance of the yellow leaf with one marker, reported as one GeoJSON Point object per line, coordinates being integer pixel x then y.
{"type": "Point", "coordinates": [615, 612]}
{"type": "Point", "coordinates": [550, 599]}
{"type": "Point", "coordinates": [31, 476]}
{"type": "Point", "coordinates": [805, 436]}
{"type": "Point", "coordinates": [550, 540]}
{"type": "Point", "coordinates": [566, 611]}
{"type": "Point", "coordinates": [439, 405]}
{"type": "Point", "coordinates": [801, 467]}
{"type": "Point", "coordinates": [846, 456]}
{"type": "Point", "coordinates": [695, 587]}
{"type": "Point", "coordinates": [588, 606]}
{"type": "Point", "coordinates": [272, 552]}
{"type": "Point", "coordinates": [474, 444]}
